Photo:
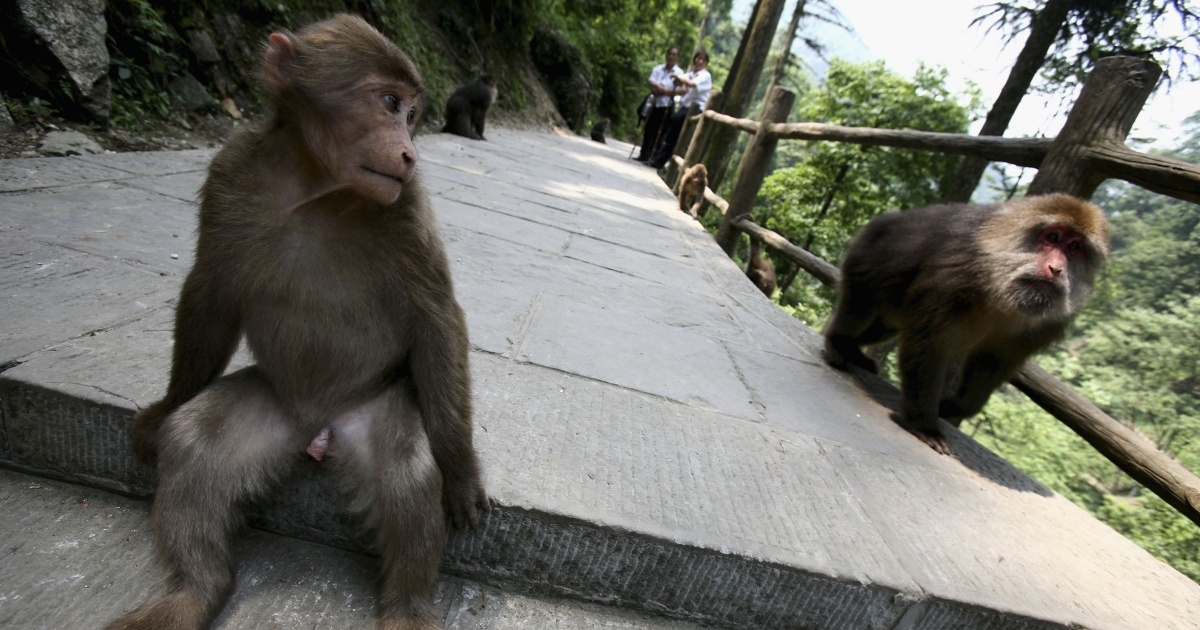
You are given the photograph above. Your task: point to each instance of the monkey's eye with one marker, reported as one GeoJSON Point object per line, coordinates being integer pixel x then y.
{"type": "Point", "coordinates": [412, 115]}
{"type": "Point", "coordinates": [392, 102]}
{"type": "Point", "coordinates": [1075, 246]}
{"type": "Point", "coordinates": [1053, 237]}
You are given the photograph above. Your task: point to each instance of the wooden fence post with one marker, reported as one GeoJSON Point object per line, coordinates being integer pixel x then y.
{"type": "Point", "coordinates": [1109, 103]}
{"type": "Point", "coordinates": [685, 135]}
{"type": "Point", "coordinates": [700, 135]}
{"type": "Point", "coordinates": [753, 169]}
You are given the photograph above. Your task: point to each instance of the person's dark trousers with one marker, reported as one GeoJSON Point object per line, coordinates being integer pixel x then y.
{"type": "Point", "coordinates": [670, 135]}
{"type": "Point", "coordinates": [650, 135]}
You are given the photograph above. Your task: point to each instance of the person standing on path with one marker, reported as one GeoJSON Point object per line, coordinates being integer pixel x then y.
{"type": "Point", "coordinates": [695, 87]}
{"type": "Point", "coordinates": [663, 90]}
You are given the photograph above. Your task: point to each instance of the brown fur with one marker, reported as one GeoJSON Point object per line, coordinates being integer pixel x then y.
{"type": "Point", "coordinates": [972, 291]}
{"type": "Point", "coordinates": [467, 108]}
{"type": "Point", "coordinates": [759, 269]}
{"type": "Point", "coordinates": [318, 244]}
{"type": "Point", "coordinates": [691, 189]}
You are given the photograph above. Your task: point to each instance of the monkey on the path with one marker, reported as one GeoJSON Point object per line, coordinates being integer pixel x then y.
{"type": "Point", "coordinates": [972, 291]}
{"type": "Point", "coordinates": [691, 189]}
{"type": "Point", "coordinates": [318, 244]}
{"type": "Point", "coordinates": [599, 129]}
{"type": "Point", "coordinates": [759, 269]}
{"type": "Point", "coordinates": [468, 106]}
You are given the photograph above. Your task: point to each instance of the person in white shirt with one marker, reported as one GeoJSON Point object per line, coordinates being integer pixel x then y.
{"type": "Point", "coordinates": [663, 90]}
{"type": "Point", "coordinates": [695, 87]}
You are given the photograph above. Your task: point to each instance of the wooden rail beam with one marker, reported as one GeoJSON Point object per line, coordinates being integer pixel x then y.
{"type": "Point", "coordinates": [813, 264]}
{"type": "Point", "coordinates": [1128, 449]}
{"type": "Point", "coordinates": [1161, 175]}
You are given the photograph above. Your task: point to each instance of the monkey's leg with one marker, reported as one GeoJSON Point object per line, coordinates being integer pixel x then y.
{"type": "Point", "coordinates": [463, 126]}
{"type": "Point", "coordinates": [982, 373]}
{"type": "Point", "coordinates": [229, 444]}
{"type": "Point", "coordinates": [854, 323]}
{"type": "Point", "coordinates": [923, 369]}
{"type": "Point", "coordinates": [383, 455]}
{"type": "Point", "coordinates": [477, 118]}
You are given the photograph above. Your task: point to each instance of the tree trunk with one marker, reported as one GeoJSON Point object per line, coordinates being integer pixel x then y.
{"type": "Point", "coordinates": [1101, 118]}
{"type": "Point", "coordinates": [708, 9]}
{"type": "Point", "coordinates": [1042, 33]}
{"type": "Point", "coordinates": [786, 53]}
{"type": "Point", "coordinates": [739, 86]}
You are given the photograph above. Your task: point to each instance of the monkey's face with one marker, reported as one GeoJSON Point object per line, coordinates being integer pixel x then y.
{"type": "Point", "coordinates": [380, 157]}
{"type": "Point", "coordinates": [1056, 277]}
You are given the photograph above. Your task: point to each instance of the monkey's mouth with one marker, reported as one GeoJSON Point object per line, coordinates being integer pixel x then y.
{"type": "Point", "coordinates": [372, 171]}
{"type": "Point", "coordinates": [1037, 296]}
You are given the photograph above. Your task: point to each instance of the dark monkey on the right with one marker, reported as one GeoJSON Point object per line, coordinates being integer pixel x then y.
{"type": "Point", "coordinates": [972, 291]}
{"type": "Point", "coordinates": [468, 107]}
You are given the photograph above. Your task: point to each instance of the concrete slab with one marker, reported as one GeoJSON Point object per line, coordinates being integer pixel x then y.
{"type": "Point", "coordinates": [51, 294]}
{"type": "Point", "coordinates": [111, 220]}
{"type": "Point", "coordinates": [33, 173]}
{"type": "Point", "coordinates": [77, 557]}
{"type": "Point", "coordinates": [655, 433]}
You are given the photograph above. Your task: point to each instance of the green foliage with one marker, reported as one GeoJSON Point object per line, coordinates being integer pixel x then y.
{"type": "Point", "coordinates": [142, 58]}
{"type": "Point", "coordinates": [826, 191]}
{"type": "Point", "coordinates": [621, 40]}
{"type": "Point", "coordinates": [1157, 528]}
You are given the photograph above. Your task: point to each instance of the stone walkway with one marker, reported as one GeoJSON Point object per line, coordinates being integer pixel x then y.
{"type": "Point", "coordinates": [657, 435]}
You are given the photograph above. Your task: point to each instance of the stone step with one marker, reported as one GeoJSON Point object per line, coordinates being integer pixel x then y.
{"type": "Point", "coordinates": [76, 557]}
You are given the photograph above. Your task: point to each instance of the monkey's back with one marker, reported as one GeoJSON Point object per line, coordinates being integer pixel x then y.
{"type": "Point", "coordinates": [899, 258]}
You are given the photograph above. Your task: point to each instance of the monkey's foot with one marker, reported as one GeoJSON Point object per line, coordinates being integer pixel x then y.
{"type": "Point", "coordinates": [935, 439]}
{"type": "Point", "coordinates": [409, 623]}
{"type": "Point", "coordinates": [175, 611]}
{"type": "Point", "coordinates": [842, 358]}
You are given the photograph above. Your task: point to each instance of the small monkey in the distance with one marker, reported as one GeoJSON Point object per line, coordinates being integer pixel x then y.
{"type": "Point", "coordinates": [759, 269]}
{"type": "Point", "coordinates": [972, 291]}
{"type": "Point", "coordinates": [317, 243]}
{"type": "Point", "coordinates": [691, 189]}
{"type": "Point", "coordinates": [467, 108]}
{"type": "Point", "coordinates": [599, 129]}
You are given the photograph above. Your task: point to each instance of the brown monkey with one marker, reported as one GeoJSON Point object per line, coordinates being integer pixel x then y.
{"type": "Point", "coordinates": [691, 189]}
{"type": "Point", "coordinates": [599, 129]}
{"type": "Point", "coordinates": [468, 106]}
{"type": "Point", "coordinates": [318, 244]}
{"type": "Point", "coordinates": [759, 269]}
{"type": "Point", "coordinates": [972, 291]}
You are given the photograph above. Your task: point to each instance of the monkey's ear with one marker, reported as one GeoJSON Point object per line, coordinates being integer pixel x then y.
{"type": "Point", "coordinates": [281, 56]}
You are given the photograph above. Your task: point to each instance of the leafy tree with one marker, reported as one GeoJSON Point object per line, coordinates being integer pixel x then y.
{"type": "Point", "coordinates": [1066, 37]}
{"type": "Point", "coordinates": [620, 41]}
{"type": "Point", "coordinates": [827, 190]}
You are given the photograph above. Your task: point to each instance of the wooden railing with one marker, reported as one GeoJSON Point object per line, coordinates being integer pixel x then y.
{"type": "Point", "coordinates": [1089, 149]}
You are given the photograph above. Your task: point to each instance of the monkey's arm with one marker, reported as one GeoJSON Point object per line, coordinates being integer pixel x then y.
{"type": "Point", "coordinates": [206, 336]}
{"type": "Point", "coordinates": [442, 376]}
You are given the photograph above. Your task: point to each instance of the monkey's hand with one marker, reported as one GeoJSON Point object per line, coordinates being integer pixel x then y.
{"type": "Point", "coordinates": [144, 431]}
{"type": "Point", "coordinates": [464, 498]}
